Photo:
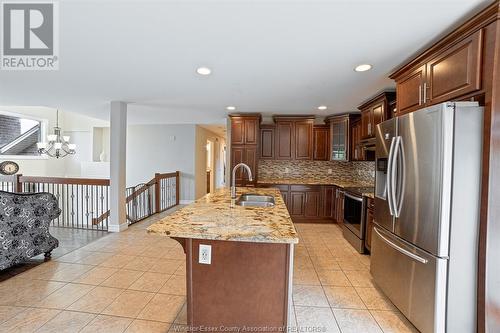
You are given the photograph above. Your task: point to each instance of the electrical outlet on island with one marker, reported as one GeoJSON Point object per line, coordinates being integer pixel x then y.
{"type": "Point", "coordinates": [205, 254]}
{"type": "Point", "coordinates": [330, 171]}
{"type": "Point", "coordinates": [287, 170]}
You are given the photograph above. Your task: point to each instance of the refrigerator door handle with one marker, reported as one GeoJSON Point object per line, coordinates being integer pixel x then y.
{"type": "Point", "coordinates": [392, 174]}
{"type": "Point", "coordinates": [389, 172]}
{"type": "Point", "coordinates": [401, 176]}
{"type": "Point", "coordinates": [400, 249]}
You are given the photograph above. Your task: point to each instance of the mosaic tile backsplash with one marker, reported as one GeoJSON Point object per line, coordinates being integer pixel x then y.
{"type": "Point", "coordinates": [363, 172]}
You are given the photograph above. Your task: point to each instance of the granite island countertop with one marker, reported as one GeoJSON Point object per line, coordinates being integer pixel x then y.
{"type": "Point", "coordinates": [216, 217]}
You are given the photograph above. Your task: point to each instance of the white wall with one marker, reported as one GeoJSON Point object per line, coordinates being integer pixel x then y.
{"type": "Point", "coordinates": [162, 148]}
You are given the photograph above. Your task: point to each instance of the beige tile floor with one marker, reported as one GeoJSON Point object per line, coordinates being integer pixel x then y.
{"type": "Point", "coordinates": [134, 282]}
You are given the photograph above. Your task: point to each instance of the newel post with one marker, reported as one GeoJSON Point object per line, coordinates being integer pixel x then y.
{"type": "Point", "coordinates": [18, 186]}
{"type": "Point", "coordinates": [177, 187]}
{"type": "Point", "coordinates": [157, 193]}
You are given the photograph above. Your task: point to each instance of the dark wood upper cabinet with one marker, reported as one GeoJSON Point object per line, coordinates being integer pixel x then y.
{"type": "Point", "coordinates": [285, 141]}
{"type": "Point", "coordinates": [375, 111]}
{"type": "Point", "coordinates": [245, 134]}
{"type": "Point", "coordinates": [267, 142]}
{"type": "Point", "coordinates": [455, 72]}
{"type": "Point", "coordinates": [294, 137]}
{"type": "Point", "coordinates": [237, 131]}
{"type": "Point", "coordinates": [244, 129]}
{"type": "Point", "coordinates": [446, 75]}
{"type": "Point", "coordinates": [340, 136]}
{"type": "Point", "coordinates": [251, 131]}
{"type": "Point", "coordinates": [321, 143]}
{"type": "Point", "coordinates": [303, 139]}
{"type": "Point", "coordinates": [409, 90]}
{"type": "Point", "coordinates": [356, 148]}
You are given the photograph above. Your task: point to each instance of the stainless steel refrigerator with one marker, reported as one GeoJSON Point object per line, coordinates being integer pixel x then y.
{"type": "Point", "coordinates": [427, 193]}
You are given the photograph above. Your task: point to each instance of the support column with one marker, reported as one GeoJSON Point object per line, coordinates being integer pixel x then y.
{"type": "Point", "coordinates": [118, 175]}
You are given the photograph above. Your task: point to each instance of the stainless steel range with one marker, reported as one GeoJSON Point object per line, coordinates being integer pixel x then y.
{"type": "Point", "coordinates": [354, 216]}
{"type": "Point", "coordinates": [427, 193]}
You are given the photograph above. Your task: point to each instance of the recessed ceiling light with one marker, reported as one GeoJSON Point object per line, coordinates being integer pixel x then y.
{"type": "Point", "coordinates": [203, 71]}
{"type": "Point", "coordinates": [363, 68]}
{"type": "Point", "coordinates": [322, 107]}
{"type": "Point", "coordinates": [230, 108]}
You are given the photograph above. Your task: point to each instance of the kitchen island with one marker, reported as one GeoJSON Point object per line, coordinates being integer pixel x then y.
{"type": "Point", "coordinates": [246, 280]}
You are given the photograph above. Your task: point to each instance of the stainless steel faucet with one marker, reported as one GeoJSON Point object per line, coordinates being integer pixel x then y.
{"type": "Point", "coordinates": [233, 181]}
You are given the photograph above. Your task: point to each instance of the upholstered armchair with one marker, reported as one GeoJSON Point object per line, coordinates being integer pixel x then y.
{"type": "Point", "coordinates": [24, 226]}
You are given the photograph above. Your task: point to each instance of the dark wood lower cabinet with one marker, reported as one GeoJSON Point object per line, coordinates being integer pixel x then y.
{"type": "Point", "coordinates": [309, 203]}
{"type": "Point", "coordinates": [339, 206]}
{"type": "Point", "coordinates": [369, 223]}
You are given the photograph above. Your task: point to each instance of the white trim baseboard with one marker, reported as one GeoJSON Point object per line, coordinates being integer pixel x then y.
{"type": "Point", "coordinates": [117, 227]}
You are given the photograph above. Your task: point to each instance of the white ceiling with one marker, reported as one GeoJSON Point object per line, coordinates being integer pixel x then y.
{"type": "Point", "coordinates": [266, 56]}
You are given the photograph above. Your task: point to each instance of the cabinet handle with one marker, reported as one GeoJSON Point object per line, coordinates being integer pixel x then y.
{"type": "Point", "coordinates": [369, 128]}
{"type": "Point", "coordinates": [425, 92]}
{"type": "Point", "coordinates": [420, 95]}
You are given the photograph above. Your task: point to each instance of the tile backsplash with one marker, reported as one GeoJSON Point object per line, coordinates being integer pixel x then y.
{"type": "Point", "coordinates": [363, 172]}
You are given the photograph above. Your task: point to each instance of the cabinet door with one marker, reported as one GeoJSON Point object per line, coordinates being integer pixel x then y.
{"type": "Point", "coordinates": [329, 202]}
{"type": "Point", "coordinates": [297, 202]}
{"type": "Point", "coordinates": [366, 123]}
{"type": "Point", "coordinates": [284, 194]}
{"type": "Point", "coordinates": [250, 159]}
{"type": "Point", "coordinates": [247, 155]}
{"type": "Point", "coordinates": [409, 91]}
{"type": "Point", "coordinates": [357, 153]}
{"type": "Point", "coordinates": [369, 228]}
{"type": "Point", "coordinates": [303, 140]}
{"type": "Point", "coordinates": [378, 116]}
{"type": "Point", "coordinates": [267, 143]}
{"type": "Point", "coordinates": [339, 207]}
{"type": "Point", "coordinates": [455, 72]}
{"type": "Point", "coordinates": [238, 156]}
{"type": "Point", "coordinates": [284, 140]}
{"type": "Point", "coordinates": [340, 140]}
{"type": "Point", "coordinates": [237, 131]}
{"type": "Point", "coordinates": [312, 203]}
{"type": "Point", "coordinates": [321, 139]}
{"type": "Point", "coordinates": [251, 131]}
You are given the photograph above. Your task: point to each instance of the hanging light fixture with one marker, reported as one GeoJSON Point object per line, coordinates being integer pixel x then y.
{"type": "Point", "coordinates": [58, 145]}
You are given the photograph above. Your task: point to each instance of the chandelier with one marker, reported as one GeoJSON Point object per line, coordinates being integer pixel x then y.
{"type": "Point", "coordinates": [58, 145]}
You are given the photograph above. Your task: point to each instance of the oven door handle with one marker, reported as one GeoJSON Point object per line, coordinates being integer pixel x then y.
{"type": "Point", "coordinates": [353, 197]}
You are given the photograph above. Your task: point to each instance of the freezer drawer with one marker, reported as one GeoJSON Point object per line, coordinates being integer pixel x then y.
{"type": "Point", "coordinates": [414, 280]}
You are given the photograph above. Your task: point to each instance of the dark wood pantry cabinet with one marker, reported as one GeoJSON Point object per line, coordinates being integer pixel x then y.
{"type": "Point", "coordinates": [245, 134]}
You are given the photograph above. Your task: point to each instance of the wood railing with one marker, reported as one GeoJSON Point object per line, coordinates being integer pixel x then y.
{"type": "Point", "coordinates": [155, 196]}
{"type": "Point", "coordinates": [85, 201]}
{"type": "Point", "coordinates": [80, 199]}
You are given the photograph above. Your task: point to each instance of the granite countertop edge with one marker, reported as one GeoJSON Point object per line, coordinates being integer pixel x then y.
{"type": "Point", "coordinates": [216, 217]}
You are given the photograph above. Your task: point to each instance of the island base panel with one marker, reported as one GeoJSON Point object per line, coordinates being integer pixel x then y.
{"type": "Point", "coordinates": [246, 285]}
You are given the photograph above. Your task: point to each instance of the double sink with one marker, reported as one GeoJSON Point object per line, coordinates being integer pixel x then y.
{"type": "Point", "coordinates": [255, 200]}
